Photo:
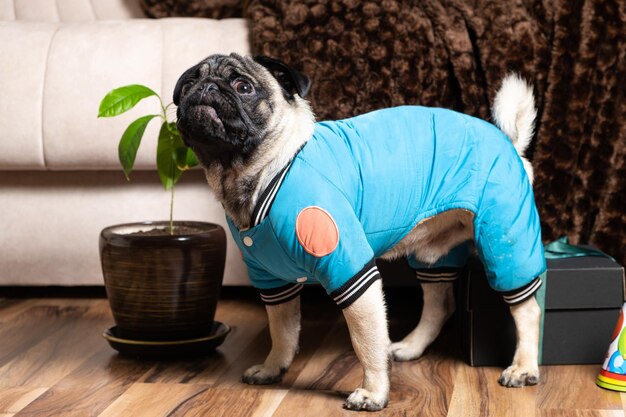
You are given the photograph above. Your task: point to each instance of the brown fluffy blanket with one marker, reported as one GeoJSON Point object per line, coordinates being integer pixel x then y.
{"type": "Point", "coordinates": [363, 55]}
{"type": "Point", "coordinates": [215, 9]}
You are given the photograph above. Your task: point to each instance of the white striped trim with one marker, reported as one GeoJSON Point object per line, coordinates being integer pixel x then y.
{"type": "Point", "coordinates": [267, 203]}
{"type": "Point", "coordinates": [516, 298]}
{"type": "Point", "coordinates": [276, 298]}
{"type": "Point", "coordinates": [438, 279]}
{"type": "Point", "coordinates": [437, 276]}
{"type": "Point", "coordinates": [373, 271]}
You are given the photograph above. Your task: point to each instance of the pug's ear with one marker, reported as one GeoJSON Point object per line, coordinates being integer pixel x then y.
{"type": "Point", "coordinates": [292, 81]}
{"type": "Point", "coordinates": [188, 76]}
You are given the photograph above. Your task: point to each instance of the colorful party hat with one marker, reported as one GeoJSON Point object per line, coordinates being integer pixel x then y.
{"type": "Point", "coordinates": [613, 373]}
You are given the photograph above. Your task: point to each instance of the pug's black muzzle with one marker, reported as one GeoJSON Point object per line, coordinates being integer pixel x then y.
{"type": "Point", "coordinates": [200, 115]}
{"type": "Point", "coordinates": [212, 125]}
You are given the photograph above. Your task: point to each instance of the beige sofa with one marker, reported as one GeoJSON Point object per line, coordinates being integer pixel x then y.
{"type": "Point", "coordinates": [60, 181]}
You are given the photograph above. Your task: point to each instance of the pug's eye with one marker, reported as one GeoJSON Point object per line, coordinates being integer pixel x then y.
{"type": "Point", "coordinates": [243, 87]}
{"type": "Point", "coordinates": [186, 87]}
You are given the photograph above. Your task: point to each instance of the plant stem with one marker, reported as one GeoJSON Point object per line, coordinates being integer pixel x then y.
{"type": "Point", "coordinates": [164, 117]}
{"type": "Point", "coordinates": [172, 211]}
{"type": "Point", "coordinates": [163, 108]}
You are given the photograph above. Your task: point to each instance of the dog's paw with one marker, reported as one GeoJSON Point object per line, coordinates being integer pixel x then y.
{"type": "Point", "coordinates": [402, 351]}
{"type": "Point", "coordinates": [516, 376]}
{"type": "Point", "coordinates": [361, 399]}
{"type": "Point", "coordinates": [262, 375]}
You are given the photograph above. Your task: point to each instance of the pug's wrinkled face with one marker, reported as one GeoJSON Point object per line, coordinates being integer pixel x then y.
{"type": "Point", "coordinates": [226, 103]}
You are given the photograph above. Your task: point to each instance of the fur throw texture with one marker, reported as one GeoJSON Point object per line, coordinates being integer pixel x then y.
{"type": "Point", "coordinates": [365, 55]}
{"type": "Point", "coordinates": [215, 9]}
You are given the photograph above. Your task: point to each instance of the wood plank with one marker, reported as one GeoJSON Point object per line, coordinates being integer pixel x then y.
{"type": "Point", "coordinates": [476, 392]}
{"type": "Point", "coordinates": [90, 388]}
{"type": "Point", "coordinates": [77, 334]}
{"type": "Point", "coordinates": [231, 402]}
{"type": "Point", "coordinates": [425, 385]}
{"type": "Point", "coordinates": [269, 402]}
{"type": "Point", "coordinates": [87, 375]}
{"type": "Point", "coordinates": [574, 388]}
{"type": "Point", "coordinates": [10, 307]}
{"type": "Point", "coordinates": [40, 321]}
{"type": "Point", "coordinates": [580, 413]}
{"type": "Point", "coordinates": [53, 361]}
{"type": "Point", "coordinates": [15, 399]}
{"type": "Point", "coordinates": [149, 400]}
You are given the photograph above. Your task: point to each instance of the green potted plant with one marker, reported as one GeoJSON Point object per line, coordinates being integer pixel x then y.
{"type": "Point", "coordinates": [162, 278]}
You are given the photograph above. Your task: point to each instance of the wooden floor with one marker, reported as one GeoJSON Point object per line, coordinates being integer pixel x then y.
{"type": "Point", "coordinates": [54, 362]}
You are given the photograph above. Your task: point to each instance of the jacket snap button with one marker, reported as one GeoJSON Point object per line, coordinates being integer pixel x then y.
{"type": "Point", "coordinates": [247, 241]}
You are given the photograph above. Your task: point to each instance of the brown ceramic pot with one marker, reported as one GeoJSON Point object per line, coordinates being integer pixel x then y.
{"type": "Point", "coordinates": [162, 286]}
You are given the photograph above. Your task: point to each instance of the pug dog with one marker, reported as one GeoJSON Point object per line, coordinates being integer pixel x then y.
{"type": "Point", "coordinates": [319, 202]}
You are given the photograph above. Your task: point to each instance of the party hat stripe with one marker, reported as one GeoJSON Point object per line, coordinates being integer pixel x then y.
{"type": "Point", "coordinates": [612, 387]}
{"type": "Point", "coordinates": [612, 376]}
{"type": "Point", "coordinates": [613, 381]}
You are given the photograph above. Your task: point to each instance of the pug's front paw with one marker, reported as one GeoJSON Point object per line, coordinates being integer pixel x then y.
{"type": "Point", "coordinates": [262, 375]}
{"type": "Point", "coordinates": [516, 376]}
{"type": "Point", "coordinates": [362, 399]}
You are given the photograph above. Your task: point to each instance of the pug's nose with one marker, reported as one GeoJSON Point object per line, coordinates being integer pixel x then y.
{"type": "Point", "coordinates": [209, 87]}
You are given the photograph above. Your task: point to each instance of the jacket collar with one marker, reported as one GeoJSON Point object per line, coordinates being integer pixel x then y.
{"type": "Point", "coordinates": [267, 197]}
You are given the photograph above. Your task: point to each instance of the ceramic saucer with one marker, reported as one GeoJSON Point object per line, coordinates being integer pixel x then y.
{"type": "Point", "coordinates": [174, 349]}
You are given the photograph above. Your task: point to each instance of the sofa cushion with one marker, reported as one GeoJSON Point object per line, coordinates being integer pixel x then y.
{"type": "Point", "coordinates": [69, 10]}
{"type": "Point", "coordinates": [24, 48]}
{"type": "Point", "coordinates": [51, 221]}
{"type": "Point", "coordinates": [58, 73]}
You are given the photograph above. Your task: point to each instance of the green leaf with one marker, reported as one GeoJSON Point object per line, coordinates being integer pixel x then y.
{"type": "Point", "coordinates": [180, 154]}
{"type": "Point", "coordinates": [168, 151]}
{"type": "Point", "coordinates": [186, 159]}
{"type": "Point", "coordinates": [122, 99]}
{"type": "Point", "coordinates": [192, 160]}
{"type": "Point", "coordinates": [129, 143]}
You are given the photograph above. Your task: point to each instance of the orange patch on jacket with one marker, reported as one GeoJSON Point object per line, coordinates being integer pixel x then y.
{"type": "Point", "coordinates": [317, 231]}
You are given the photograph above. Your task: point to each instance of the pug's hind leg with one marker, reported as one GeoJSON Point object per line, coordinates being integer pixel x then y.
{"type": "Point", "coordinates": [367, 322]}
{"type": "Point", "coordinates": [525, 368]}
{"type": "Point", "coordinates": [438, 307]}
{"type": "Point", "coordinates": [284, 324]}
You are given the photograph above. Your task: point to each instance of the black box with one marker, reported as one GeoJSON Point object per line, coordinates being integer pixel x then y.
{"type": "Point", "coordinates": [583, 299]}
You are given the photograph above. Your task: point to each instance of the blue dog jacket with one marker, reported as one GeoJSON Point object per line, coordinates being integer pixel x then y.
{"type": "Point", "coordinates": [360, 185]}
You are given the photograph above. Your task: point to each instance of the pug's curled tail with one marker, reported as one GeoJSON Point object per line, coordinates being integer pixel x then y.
{"type": "Point", "coordinates": [514, 113]}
